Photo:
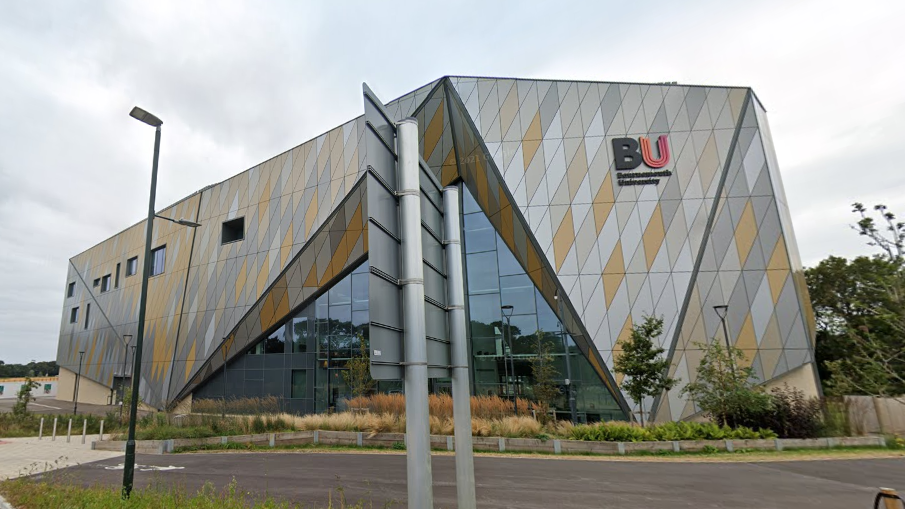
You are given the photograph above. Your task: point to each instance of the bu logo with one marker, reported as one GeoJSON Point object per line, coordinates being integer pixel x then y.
{"type": "Point", "coordinates": [627, 155]}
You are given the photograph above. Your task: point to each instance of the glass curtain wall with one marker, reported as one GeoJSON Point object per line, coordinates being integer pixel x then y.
{"type": "Point", "coordinates": [302, 361]}
{"type": "Point", "coordinates": [503, 350]}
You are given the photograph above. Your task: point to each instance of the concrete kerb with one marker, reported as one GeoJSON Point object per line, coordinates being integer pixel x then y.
{"type": "Point", "coordinates": [555, 446]}
{"type": "Point", "coordinates": [4, 504]}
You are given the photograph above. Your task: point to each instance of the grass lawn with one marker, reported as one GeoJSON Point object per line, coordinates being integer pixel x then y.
{"type": "Point", "coordinates": [29, 494]}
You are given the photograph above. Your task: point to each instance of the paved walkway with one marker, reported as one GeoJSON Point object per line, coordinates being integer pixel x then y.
{"type": "Point", "coordinates": [24, 456]}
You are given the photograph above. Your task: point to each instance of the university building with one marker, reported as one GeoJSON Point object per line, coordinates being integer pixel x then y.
{"type": "Point", "coordinates": [584, 207]}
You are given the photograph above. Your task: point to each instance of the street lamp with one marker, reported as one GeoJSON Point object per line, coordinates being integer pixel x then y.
{"type": "Point", "coordinates": [75, 392]}
{"type": "Point", "coordinates": [565, 344]}
{"type": "Point", "coordinates": [507, 314]}
{"type": "Point", "coordinates": [122, 382]}
{"type": "Point", "coordinates": [721, 312]}
{"type": "Point", "coordinates": [225, 380]}
{"type": "Point", "coordinates": [129, 464]}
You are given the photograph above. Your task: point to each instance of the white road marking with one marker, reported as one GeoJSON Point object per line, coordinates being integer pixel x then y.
{"type": "Point", "coordinates": [46, 406]}
{"type": "Point", "coordinates": [145, 468]}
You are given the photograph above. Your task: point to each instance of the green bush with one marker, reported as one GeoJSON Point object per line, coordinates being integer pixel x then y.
{"type": "Point", "coordinates": [670, 431]}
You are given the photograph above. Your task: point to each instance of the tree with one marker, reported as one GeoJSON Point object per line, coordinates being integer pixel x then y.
{"type": "Point", "coordinates": [544, 372]}
{"type": "Point", "coordinates": [358, 376]}
{"type": "Point", "coordinates": [892, 241]}
{"type": "Point", "coordinates": [726, 390]}
{"type": "Point", "coordinates": [860, 311]}
{"type": "Point", "coordinates": [24, 397]}
{"type": "Point", "coordinates": [642, 363]}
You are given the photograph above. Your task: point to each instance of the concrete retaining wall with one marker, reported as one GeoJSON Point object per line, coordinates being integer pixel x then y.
{"type": "Point", "coordinates": [352, 438]}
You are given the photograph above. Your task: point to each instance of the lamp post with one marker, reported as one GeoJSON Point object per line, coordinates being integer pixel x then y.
{"type": "Point", "coordinates": [573, 414]}
{"type": "Point", "coordinates": [721, 312]}
{"type": "Point", "coordinates": [225, 381]}
{"type": "Point", "coordinates": [75, 391]}
{"type": "Point", "coordinates": [129, 463]}
{"type": "Point", "coordinates": [507, 314]}
{"type": "Point", "coordinates": [122, 383]}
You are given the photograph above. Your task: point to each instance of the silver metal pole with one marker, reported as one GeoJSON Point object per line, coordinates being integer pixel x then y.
{"type": "Point", "coordinates": [69, 432]}
{"type": "Point", "coordinates": [455, 291]}
{"type": "Point", "coordinates": [41, 429]}
{"type": "Point", "coordinates": [417, 420]}
{"type": "Point", "coordinates": [84, 429]}
{"type": "Point", "coordinates": [100, 434]}
{"type": "Point", "coordinates": [54, 437]}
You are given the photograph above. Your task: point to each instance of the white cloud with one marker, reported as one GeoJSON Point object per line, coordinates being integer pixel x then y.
{"type": "Point", "coordinates": [238, 82]}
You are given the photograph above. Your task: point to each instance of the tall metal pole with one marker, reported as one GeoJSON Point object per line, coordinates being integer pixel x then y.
{"type": "Point", "coordinates": [129, 464]}
{"type": "Point", "coordinates": [417, 420]}
{"type": "Point", "coordinates": [722, 311]}
{"type": "Point", "coordinates": [225, 384]}
{"type": "Point", "coordinates": [75, 391]}
{"type": "Point", "coordinates": [512, 365]}
{"type": "Point", "coordinates": [573, 414]}
{"type": "Point", "coordinates": [455, 291]}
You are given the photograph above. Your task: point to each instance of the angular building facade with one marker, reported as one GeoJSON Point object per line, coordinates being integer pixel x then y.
{"type": "Point", "coordinates": [584, 206]}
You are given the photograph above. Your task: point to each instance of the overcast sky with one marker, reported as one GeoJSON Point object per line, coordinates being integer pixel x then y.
{"type": "Point", "coordinates": [237, 83]}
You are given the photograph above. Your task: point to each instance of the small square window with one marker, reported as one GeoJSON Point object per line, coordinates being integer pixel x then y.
{"type": "Point", "coordinates": [97, 282]}
{"type": "Point", "coordinates": [233, 231]}
{"type": "Point", "coordinates": [158, 260]}
{"type": "Point", "coordinates": [105, 283]}
{"type": "Point", "coordinates": [131, 266]}
{"type": "Point", "coordinates": [74, 315]}
{"type": "Point", "coordinates": [70, 290]}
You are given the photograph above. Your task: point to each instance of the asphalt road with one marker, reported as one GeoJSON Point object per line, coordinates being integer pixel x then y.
{"type": "Point", "coordinates": [525, 483]}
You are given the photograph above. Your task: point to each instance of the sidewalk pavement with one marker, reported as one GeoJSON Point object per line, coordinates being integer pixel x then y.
{"type": "Point", "coordinates": [25, 456]}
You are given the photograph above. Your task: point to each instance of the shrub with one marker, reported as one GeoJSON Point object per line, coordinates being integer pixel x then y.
{"type": "Point", "coordinates": [670, 431]}
{"type": "Point", "coordinates": [792, 415]}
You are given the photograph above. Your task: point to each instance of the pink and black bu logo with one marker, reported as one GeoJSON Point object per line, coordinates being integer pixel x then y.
{"type": "Point", "coordinates": [628, 157]}
{"type": "Point", "coordinates": [629, 154]}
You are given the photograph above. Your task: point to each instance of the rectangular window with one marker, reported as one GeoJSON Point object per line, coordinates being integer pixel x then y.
{"type": "Point", "coordinates": [74, 315]}
{"type": "Point", "coordinates": [70, 290]}
{"type": "Point", "coordinates": [1, 390]}
{"type": "Point", "coordinates": [257, 349]}
{"type": "Point", "coordinates": [97, 282]}
{"type": "Point", "coordinates": [131, 266]}
{"type": "Point", "coordinates": [87, 314]}
{"type": "Point", "coordinates": [105, 283]}
{"type": "Point", "coordinates": [158, 260]}
{"type": "Point", "coordinates": [299, 388]}
{"type": "Point", "coordinates": [116, 280]}
{"type": "Point", "coordinates": [233, 230]}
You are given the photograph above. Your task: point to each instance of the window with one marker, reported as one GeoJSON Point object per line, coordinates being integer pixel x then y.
{"type": "Point", "coordinates": [70, 290]}
{"type": "Point", "coordinates": [116, 280]}
{"type": "Point", "coordinates": [258, 349]}
{"type": "Point", "coordinates": [105, 283]}
{"type": "Point", "coordinates": [158, 260]}
{"type": "Point", "coordinates": [131, 266]}
{"type": "Point", "coordinates": [74, 315]}
{"type": "Point", "coordinates": [87, 314]}
{"type": "Point", "coordinates": [276, 343]}
{"type": "Point", "coordinates": [97, 282]}
{"type": "Point", "coordinates": [299, 388]}
{"type": "Point", "coordinates": [233, 231]}
{"type": "Point", "coordinates": [1, 390]}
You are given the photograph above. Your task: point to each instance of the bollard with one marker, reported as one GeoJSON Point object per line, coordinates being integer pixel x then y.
{"type": "Point", "coordinates": [100, 434]}
{"type": "Point", "coordinates": [41, 429]}
{"type": "Point", "coordinates": [557, 447]}
{"type": "Point", "coordinates": [449, 443]}
{"type": "Point", "coordinates": [675, 446]}
{"type": "Point", "coordinates": [502, 444]}
{"type": "Point", "coordinates": [891, 499]}
{"type": "Point", "coordinates": [84, 429]}
{"type": "Point", "coordinates": [359, 439]}
{"type": "Point", "coordinates": [620, 447]}
{"type": "Point", "coordinates": [69, 432]}
{"type": "Point", "coordinates": [273, 439]}
{"type": "Point", "coordinates": [54, 429]}
{"type": "Point", "coordinates": [316, 437]}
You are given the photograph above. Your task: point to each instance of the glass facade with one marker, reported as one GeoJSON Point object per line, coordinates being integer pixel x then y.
{"type": "Point", "coordinates": [502, 349]}
{"type": "Point", "coordinates": [301, 362]}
